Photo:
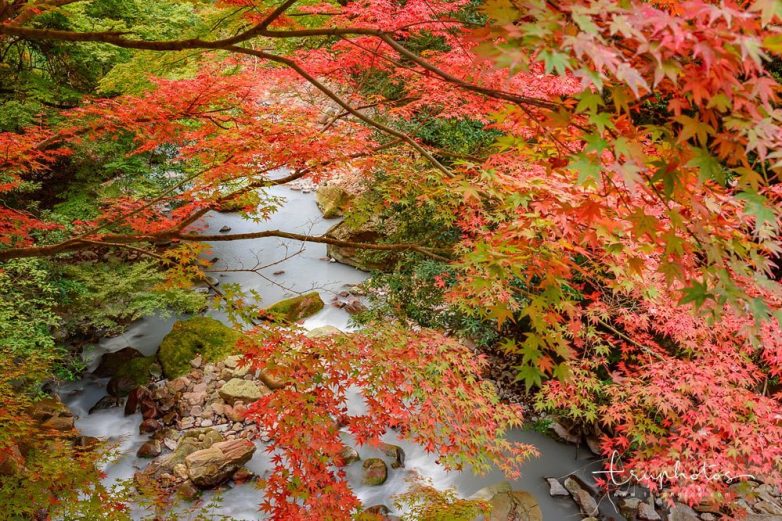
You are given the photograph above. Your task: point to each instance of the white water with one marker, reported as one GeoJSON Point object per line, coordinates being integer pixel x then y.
{"type": "Point", "coordinates": [306, 270]}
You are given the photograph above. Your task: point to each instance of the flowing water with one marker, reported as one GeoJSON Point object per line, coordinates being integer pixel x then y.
{"type": "Point", "coordinates": [305, 268]}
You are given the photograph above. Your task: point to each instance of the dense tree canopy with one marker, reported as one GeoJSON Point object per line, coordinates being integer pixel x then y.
{"type": "Point", "coordinates": [602, 179]}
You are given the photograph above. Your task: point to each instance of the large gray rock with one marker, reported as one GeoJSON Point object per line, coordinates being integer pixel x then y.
{"type": "Point", "coordinates": [208, 468]}
{"type": "Point", "coordinates": [681, 512]}
{"type": "Point", "coordinates": [648, 513]}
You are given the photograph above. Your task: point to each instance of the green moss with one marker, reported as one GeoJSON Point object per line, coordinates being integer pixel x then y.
{"type": "Point", "coordinates": [332, 200]}
{"type": "Point", "coordinates": [138, 369]}
{"type": "Point", "coordinates": [204, 335]}
{"type": "Point", "coordinates": [296, 308]}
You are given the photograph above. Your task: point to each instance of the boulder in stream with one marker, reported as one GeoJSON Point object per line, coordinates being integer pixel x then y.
{"type": "Point", "coordinates": [208, 468]}
{"type": "Point", "coordinates": [332, 200]}
{"type": "Point", "coordinates": [348, 455]}
{"type": "Point", "coordinates": [681, 512]}
{"type": "Point", "coordinates": [135, 372]}
{"type": "Point", "coordinates": [198, 335]}
{"type": "Point", "coordinates": [582, 497]}
{"type": "Point", "coordinates": [297, 308]}
{"type": "Point", "coordinates": [508, 504]}
{"type": "Point", "coordinates": [150, 449]}
{"type": "Point", "coordinates": [394, 452]}
{"type": "Point", "coordinates": [375, 472]}
{"type": "Point", "coordinates": [110, 363]}
{"type": "Point", "coordinates": [187, 490]}
{"type": "Point", "coordinates": [358, 258]}
{"type": "Point", "coordinates": [106, 402]}
{"type": "Point", "coordinates": [556, 488]}
{"type": "Point", "coordinates": [646, 512]}
{"type": "Point", "coordinates": [51, 413]}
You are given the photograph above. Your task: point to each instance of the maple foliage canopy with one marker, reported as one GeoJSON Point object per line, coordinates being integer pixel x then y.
{"type": "Point", "coordinates": [628, 212]}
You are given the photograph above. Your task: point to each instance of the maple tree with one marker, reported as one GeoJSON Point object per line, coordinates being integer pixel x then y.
{"type": "Point", "coordinates": [626, 219]}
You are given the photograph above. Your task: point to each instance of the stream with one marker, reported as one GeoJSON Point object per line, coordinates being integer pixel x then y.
{"type": "Point", "coordinates": [307, 268]}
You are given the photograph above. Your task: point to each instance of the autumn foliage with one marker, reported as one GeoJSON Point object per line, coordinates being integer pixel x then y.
{"type": "Point", "coordinates": [627, 216]}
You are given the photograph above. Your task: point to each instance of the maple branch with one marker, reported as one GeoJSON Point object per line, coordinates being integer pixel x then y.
{"type": "Point", "coordinates": [276, 14]}
{"type": "Point", "coordinates": [339, 101]}
{"type": "Point", "coordinates": [118, 39]}
{"type": "Point", "coordinates": [77, 244]}
{"type": "Point", "coordinates": [493, 93]}
{"type": "Point", "coordinates": [642, 347]}
{"type": "Point", "coordinates": [434, 253]}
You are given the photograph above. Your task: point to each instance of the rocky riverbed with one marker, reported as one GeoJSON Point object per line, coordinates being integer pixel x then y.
{"type": "Point", "coordinates": [177, 416]}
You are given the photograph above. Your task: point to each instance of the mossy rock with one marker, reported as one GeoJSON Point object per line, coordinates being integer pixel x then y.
{"type": "Point", "coordinates": [332, 200]}
{"type": "Point", "coordinates": [207, 336]}
{"type": "Point", "coordinates": [375, 472]}
{"type": "Point", "coordinates": [297, 308]}
{"type": "Point", "coordinates": [358, 258]}
{"type": "Point", "coordinates": [112, 362]}
{"type": "Point", "coordinates": [140, 370]}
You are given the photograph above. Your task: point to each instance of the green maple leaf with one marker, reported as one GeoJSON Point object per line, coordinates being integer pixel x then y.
{"type": "Point", "coordinates": [586, 168]}
{"type": "Point", "coordinates": [501, 312]}
{"type": "Point", "coordinates": [595, 143]}
{"type": "Point", "coordinates": [531, 375]}
{"type": "Point", "coordinates": [589, 101]}
{"type": "Point", "coordinates": [757, 206]}
{"type": "Point", "coordinates": [555, 61]}
{"type": "Point", "coordinates": [708, 165]}
{"type": "Point", "coordinates": [601, 120]}
{"type": "Point", "coordinates": [562, 372]}
{"type": "Point", "coordinates": [697, 293]}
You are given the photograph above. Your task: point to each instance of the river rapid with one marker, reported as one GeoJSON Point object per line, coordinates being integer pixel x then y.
{"type": "Point", "coordinates": [306, 268]}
